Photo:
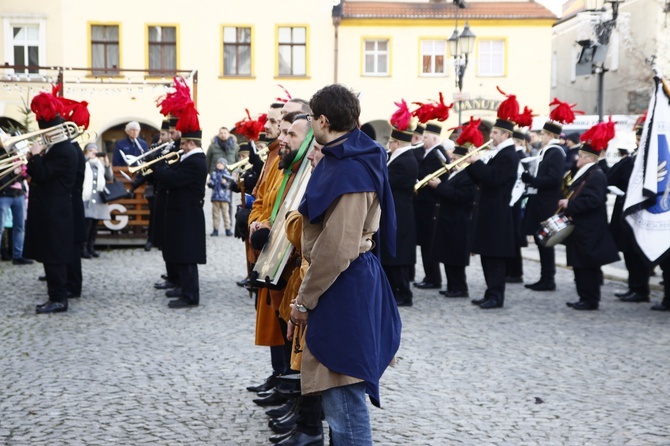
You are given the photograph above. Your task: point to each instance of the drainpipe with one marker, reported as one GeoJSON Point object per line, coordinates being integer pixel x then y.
{"type": "Point", "coordinates": [337, 18]}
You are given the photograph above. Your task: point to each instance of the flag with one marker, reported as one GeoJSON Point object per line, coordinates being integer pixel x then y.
{"type": "Point", "coordinates": [647, 205]}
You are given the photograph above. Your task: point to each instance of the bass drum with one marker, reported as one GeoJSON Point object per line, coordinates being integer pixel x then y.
{"type": "Point", "coordinates": [554, 230]}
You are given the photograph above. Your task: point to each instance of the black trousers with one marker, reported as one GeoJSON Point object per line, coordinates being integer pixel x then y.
{"type": "Point", "coordinates": [456, 280]}
{"type": "Point", "coordinates": [638, 273]}
{"type": "Point", "coordinates": [310, 414]}
{"type": "Point", "coordinates": [189, 281]}
{"type": "Point", "coordinates": [587, 281]}
{"type": "Point", "coordinates": [665, 267]}
{"type": "Point", "coordinates": [431, 267]}
{"type": "Point", "coordinates": [91, 232]}
{"type": "Point", "coordinates": [150, 228]}
{"type": "Point", "coordinates": [56, 282]}
{"type": "Point", "coordinates": [74, 276]}
{"type": "Point", "coordinates": [547, 262]}
{"type": "Point", "coordinates": [398, 276]}
{"type": "Point", "coordinates": [514, 265]}
{"type": "Point", "coordinates": [173, 273]}
{"type": "Point", "coordinates": [494, 269]}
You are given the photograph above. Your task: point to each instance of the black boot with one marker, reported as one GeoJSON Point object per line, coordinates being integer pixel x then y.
{"type": "Point", "coordinates": [84, 252]}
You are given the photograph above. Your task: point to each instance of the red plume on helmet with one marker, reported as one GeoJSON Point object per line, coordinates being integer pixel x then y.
{"type": "Point", "coordinates": [188, 121]}
{"type": "Point", "coordinates": [72, 110]}
{"type": "Point", "coordinates": [441, 110]}
{"type": "Point", "coordinates": [249, 128]}
{"type": "Point", "coordinates": [639, 122]}
{"type": "Point", "coordinates": [470, 134]}
{"type": "Point", "coordinates": [563, 112]}
{"type": "Point", "coordinates": [288, 95]}
{"type": "Point", "coordinates": [525, 118]}
{"type": "Point", "coordinates": [599, 135]}
{"type": "Point", "coordinates": [424, 112]}
{"type": "Point", "coordinates": [174, 102]}
{"type": "Point", "coordinates": [46, 107]}
{"type": "Point", "coordinates": [401, 117]}
{"type": "Point", "coordinates": [508, 110]}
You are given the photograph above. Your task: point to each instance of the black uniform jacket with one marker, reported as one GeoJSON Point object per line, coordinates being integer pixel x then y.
{"type": "Point", "coordinates": [454, 235]}
{"type": "Point", "coordinates": [78, 219]}
{"type": "Point", "coordinates": [402, 178]}
{"type": "Point", "coordinates": [548, 182]}
{"type": "Point", "coordinates": [184, 185]}
{"type": "Point", "coordinates": [49, 227]}
{"type": "Point", "coordinates": [618, 176]}
{"type": "Point", "coordinates": [591, 244]}
{"type": "Point", "coordinates": [160, 199]}
{"type": "Point", "coordinates": [493, 224]}
{"type": "Point", "coordinates": [425, 199]}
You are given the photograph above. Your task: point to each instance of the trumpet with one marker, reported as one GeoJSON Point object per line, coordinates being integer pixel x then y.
{"type": "Point", "coordinates": [170, 157]}
{"type": "Point", "coordinates": [52, 135]}
{"type": "Point", "coordinates": [245, 161]}
{"type": "Point", "coordinates": [447, 167]}
{"type": "Point", "coordinates": [163, 149]}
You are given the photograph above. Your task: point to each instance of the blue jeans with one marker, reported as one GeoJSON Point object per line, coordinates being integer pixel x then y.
{"type": "Point", "coordinates": [18, 207]}
{"type": "Point", "coordinates": [347, 415]}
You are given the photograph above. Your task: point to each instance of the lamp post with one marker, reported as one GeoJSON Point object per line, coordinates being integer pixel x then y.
{"type": "Point", "coordinates": [460, 47]}
{"type": "Point", "coordinates": [603, 31]}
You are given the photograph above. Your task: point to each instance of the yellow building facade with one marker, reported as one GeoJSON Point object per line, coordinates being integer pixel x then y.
{"type": "Point", "coordinates": [120, 56]}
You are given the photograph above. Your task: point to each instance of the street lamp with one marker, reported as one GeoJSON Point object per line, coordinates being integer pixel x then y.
{"type": "Point", "coordinates": [603, 31]}
{"type": "Point", "coordinates": [460, 47]}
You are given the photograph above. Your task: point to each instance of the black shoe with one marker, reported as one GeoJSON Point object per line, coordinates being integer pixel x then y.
{"type": "Point", "coordinates": [71, 295]}
{"type": "Point", "coordinates": [182, 303]}
{"type": "Point", "coordinates": [302, 439]}
{"type": "Point", "coordinates": [635, 297]}
{"type": "Point", "coordinates": [175, 292]}
{"type": "Point", "coordinates": [584, 306]}
{"type": "Point", "coordinates": [51, 307]}
{"type": "Point", "coordinates": [85, 254]}
{"type": "Point", "coordinates": [215, 233]}
{"type": "Point", "coordinates": [660, 307]}
{"type": "Point", "coordinates": [281, 437]}
{"type": "Point", "coordinates": [94, 253]}
{"type": "Point", "coordinates": [426, 285]}
{"type": "Point", "coordinates": [478, 301]}
{"type": "Point", "coordinates": [490, 304]}
{"type": "Point", "coordinates": [285, 424]}
{"type": "Point", "coordinates": [571, 304]}
{"type": "Point", "coordinates": [229, 233]}
{"type": "Point", "coordinates": [22, 261]}
{"type": "Point", "coordinates": [147, 246]}
{"type": "Point", "coordinates": [511, 279]}
{"type": "Point", "coordinates": [456, 294]}
{"type": "Point", "coordinates": [243, 283]}
{"type": "Point", "coordinates": [281, 411]}
{"type": "Point", "coordinates": [164, 276]}
{"type": "Point", "coordinates": [269, 383]}
{"type": "Point", "coordinates": [542, 286]}
{"type": "Point", "coordinates": [42, 278]}
{"type": "Point", "coordinates": [164, 285]}
{"type": "Point", "coordinates": [624, 293]}
{"type": "Point", "coordinates": [274, 399]}
{"type": "Point", "coordinates": [407, 302]}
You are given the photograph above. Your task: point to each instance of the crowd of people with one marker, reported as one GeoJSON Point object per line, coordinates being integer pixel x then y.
{"type": "Point", "coordinates": [331, 318]}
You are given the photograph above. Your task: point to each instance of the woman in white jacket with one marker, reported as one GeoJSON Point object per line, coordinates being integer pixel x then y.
{"type": "Point", "coordinates": [98, 172]}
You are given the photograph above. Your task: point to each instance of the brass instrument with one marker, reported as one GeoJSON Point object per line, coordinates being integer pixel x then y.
{"type": "Point", "coordinates": [567, 182]}
{"type": "Point", "coordinates": [163, 149]}
{"type": "Point", "coordinates": [49, 137]}
{"type": "Point", "coordinates": [246, 161]}
{"type": "Point", "coordinates": [447, 167]}
{"type": "Point", "coordinates": [170, 157]}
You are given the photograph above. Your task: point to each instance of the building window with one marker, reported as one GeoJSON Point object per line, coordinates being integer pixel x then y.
{"type": "Point", "coordinates": [292, 41]}
{"type": "Point", "coordinates": [433, 57]}
{"type": "Point", "coordinates": [491, 58]}
{"type": "Point", "coordinates": [26, 46]}
{"type": "Point", "coordinates": [236, 51]}
{"type": "Point", "coordinates": [376, 54]}
{"type": "Point", "coordinates": [105, 49]}
{"type": "Point", "coordinates": [162, 50]}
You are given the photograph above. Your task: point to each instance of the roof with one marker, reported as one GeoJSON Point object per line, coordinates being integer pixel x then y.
{"type": "Point", "coordinates": [447, 10]}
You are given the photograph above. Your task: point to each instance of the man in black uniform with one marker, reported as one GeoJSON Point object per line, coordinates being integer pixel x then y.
{"type": "Point", "coordinates": [591, 245]}
{"type": "Point", "coordinates": [494, 223]}
{"type": "Point", "coordinates": [431, 157]}
{"type": "Point", "coordinates": [184, 238]}
{"type": "Point", "coordinates": [403, 170]}
{"type": "Point", "coordinates": [49, 228]}
{"type": "Point", "coordinates": [544, 183]}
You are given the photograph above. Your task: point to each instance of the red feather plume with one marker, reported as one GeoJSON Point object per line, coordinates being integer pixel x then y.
{"type": "Point", "coordinates": [175, 101]}
{"type": "Point", "coordinates": [288, 95]}
{"type": "Point", "coordinates": [248, 127]}
{"type": "Point", "coordinates": [79, 114]}
{"type": "Point", "coordinates": [188, 121]}
{"type": "Point", "coordinates": [563, 112]}
{"type": "Point", "coordinates": [525, 118]}
{"type": "Point", "coordinates": [402, 117]}
{"type": "Point", "coordinates": [441, 110]}
{"type": "Point", "coordinates": [508, 110]}
{"type": "Point", "coordinates": [470, 134]}
{"type": "Point", "coordinates": [45, 106]}
{"type": "Point", "coordinates": [424, 112]}
{"type": "Point", "coordinates": [599, 135]}
{"type": "Point", "coordinates": [639, 122]}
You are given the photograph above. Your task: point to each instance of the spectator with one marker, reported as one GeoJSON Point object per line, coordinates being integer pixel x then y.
{"type": "Point", "coordinates": [131, 145]}
{"type": "Point", "coordinates": [220, 181]}
{"type": "Point", "coordinates": [223, 146]}
{"type": "Point", "coordinates": [574, 144]}
{"type": "Point", "coordinates": [535, 142]}
{"type": "Point", "coordinates": [13, 200]}
{"type": "Point", "coordinates": [97, 173]}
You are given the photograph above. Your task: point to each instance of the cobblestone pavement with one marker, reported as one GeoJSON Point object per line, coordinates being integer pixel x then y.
{"type": "Point", "coordinates": [121, 368]}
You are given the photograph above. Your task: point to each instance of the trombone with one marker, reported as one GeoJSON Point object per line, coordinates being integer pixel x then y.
{"type": "Point", "coordinates": [245, 161]}
{"type": "Point", "coordinates": [447, 167]}
{"type": "Point", "coordinates": [170, 157]}
{"type": "Point", "coordinates": [163, 149]}
{"type": "Point", "coordinates": [52, 135]}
